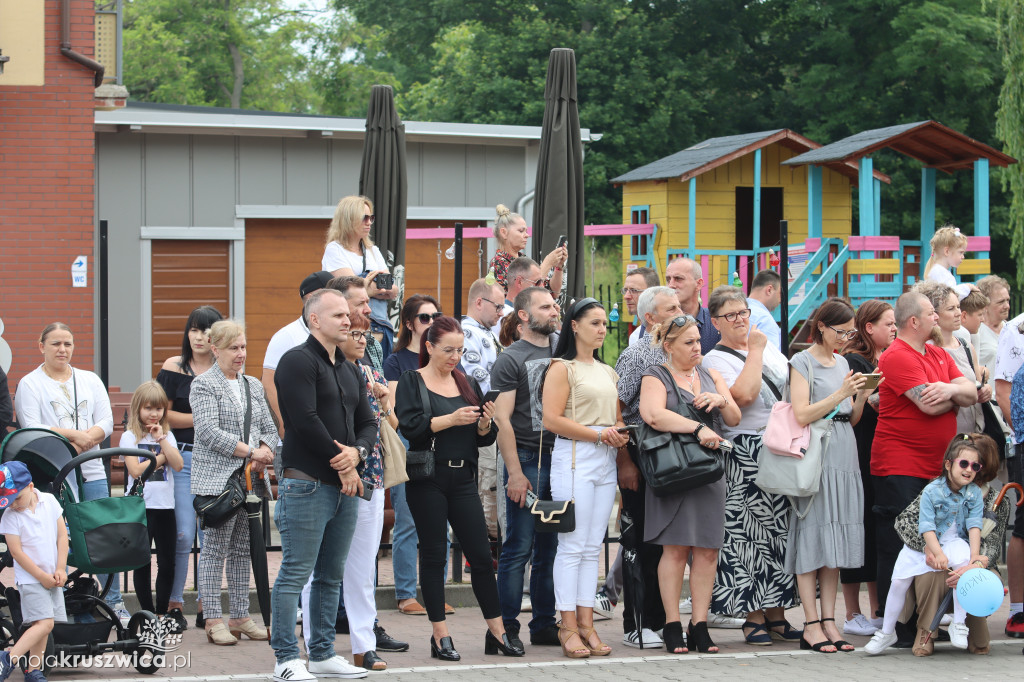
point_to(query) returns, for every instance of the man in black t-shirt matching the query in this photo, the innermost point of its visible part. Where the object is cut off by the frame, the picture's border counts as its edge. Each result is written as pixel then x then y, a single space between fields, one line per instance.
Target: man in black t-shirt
pixel 517 373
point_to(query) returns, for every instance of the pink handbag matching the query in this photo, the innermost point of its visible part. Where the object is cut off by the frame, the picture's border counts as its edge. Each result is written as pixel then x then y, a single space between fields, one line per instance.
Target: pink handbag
pixel 784 435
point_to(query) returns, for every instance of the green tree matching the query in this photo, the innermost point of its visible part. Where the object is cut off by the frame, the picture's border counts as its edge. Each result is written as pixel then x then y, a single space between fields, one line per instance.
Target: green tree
pixel 1010 121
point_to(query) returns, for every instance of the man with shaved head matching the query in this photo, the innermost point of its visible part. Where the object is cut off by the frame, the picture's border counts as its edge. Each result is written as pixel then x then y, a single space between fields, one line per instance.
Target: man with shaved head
pixel 686 277
pixel 916 420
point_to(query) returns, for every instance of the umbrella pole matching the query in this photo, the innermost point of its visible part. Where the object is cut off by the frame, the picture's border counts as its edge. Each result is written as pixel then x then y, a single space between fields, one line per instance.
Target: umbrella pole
pixel 784 283
pixel 457 280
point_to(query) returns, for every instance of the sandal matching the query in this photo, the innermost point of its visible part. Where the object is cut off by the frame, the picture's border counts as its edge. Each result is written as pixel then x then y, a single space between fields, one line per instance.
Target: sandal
pixel 755 639
pixel 600 649
pixel 841 644
pixel 369 660
pixel 817 646
pixel 581 651
pixel 672 635
pixel 788 634
pixel 698 636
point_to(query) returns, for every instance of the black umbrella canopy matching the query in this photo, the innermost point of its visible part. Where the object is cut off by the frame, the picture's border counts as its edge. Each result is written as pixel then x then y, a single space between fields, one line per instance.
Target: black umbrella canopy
pixel 382 176
pixel 558 198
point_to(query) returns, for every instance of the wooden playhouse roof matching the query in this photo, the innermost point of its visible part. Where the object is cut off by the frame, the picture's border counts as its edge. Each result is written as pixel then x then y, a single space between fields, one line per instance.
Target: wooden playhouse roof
pixel 930 142
pixel 717 151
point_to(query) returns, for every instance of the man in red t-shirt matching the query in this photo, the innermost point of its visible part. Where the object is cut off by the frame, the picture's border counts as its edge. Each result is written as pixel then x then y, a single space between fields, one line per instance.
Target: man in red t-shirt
pixel 916 420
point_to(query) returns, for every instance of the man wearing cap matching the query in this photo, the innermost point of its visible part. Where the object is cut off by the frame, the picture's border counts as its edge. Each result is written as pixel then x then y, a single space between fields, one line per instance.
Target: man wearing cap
pixel 38 541
pixel 286 338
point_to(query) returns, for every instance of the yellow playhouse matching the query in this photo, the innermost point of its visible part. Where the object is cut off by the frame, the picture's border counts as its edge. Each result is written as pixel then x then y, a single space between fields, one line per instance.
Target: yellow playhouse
pixel 727 195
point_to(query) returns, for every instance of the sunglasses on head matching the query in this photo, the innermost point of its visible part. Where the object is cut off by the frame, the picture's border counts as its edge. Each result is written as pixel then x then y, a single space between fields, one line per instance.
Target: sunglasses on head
pixel 427 318
pixel 974 466
pixel 680 321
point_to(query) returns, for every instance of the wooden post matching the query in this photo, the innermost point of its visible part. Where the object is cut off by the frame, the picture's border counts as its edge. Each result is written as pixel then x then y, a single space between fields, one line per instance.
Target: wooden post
pixel 814 201
pixel 691 245
pixel 927 215
pixel 757 200
pixel 981 201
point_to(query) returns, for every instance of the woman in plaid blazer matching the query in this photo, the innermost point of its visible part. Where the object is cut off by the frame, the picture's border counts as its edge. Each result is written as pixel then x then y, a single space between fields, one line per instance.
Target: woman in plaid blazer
pixel 219 398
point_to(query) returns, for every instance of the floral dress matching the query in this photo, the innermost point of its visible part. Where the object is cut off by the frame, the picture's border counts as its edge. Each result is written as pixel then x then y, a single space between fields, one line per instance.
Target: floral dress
pixel 372 470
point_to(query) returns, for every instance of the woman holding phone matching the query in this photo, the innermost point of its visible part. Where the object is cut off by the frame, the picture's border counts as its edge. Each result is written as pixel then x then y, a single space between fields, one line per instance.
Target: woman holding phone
pixel 511 233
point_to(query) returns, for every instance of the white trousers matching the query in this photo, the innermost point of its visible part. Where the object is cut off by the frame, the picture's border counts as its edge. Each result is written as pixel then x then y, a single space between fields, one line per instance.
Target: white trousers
pixel 576 560
pixel 360 573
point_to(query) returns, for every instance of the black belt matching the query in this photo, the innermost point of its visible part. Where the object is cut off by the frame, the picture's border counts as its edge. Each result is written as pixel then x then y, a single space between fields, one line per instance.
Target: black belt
pixel 296 473
pixel 841 418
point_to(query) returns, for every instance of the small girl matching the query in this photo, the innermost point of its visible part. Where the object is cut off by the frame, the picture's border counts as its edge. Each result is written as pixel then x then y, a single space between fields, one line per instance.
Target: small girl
pixel 951 517
pixel 948 250
pixel 148 430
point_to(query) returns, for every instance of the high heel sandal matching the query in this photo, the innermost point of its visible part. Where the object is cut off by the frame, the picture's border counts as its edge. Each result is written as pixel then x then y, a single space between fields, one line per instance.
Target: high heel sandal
pixel 841 644
pixel 698 636
pixel 817 646
pixel 788 634
pixel 601 649
pixel 444 650
pixel 492 645
pixel 672 635
pixel 581 651
pixel 369 660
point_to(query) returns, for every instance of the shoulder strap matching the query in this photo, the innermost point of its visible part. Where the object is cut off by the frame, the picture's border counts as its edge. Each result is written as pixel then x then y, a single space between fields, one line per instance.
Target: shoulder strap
pixel 967 349
pixel 425 400
pixel 248 409
pixel 764 377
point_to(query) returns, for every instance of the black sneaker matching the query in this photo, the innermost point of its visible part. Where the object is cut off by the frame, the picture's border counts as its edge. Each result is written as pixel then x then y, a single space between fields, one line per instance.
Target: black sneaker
pixel 545 637
pixel 512 630
pixel 178 617
pixel 386 642
pixel 200 621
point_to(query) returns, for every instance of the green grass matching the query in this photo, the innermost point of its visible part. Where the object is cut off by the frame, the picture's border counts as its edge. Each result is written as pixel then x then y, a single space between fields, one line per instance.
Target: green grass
pixel 607 281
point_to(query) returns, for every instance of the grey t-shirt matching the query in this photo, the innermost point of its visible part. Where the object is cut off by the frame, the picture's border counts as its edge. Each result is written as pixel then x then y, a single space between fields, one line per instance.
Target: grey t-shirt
pixel 519 368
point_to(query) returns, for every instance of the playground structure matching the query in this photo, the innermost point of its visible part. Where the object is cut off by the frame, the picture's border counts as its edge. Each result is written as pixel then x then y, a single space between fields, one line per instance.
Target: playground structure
pixel 825 259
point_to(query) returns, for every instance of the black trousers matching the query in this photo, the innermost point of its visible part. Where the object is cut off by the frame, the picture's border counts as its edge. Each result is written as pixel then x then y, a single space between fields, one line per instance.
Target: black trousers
pixel 647 556
pixel 892 495
pixel 451 497
pixel 163 532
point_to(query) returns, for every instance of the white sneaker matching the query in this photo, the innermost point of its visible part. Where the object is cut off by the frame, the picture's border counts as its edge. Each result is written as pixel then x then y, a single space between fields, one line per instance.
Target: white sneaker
pixel 604 609
pixel 879 643
pixel 527 605
pixel 958 635
pixel 717 620
pixel 859 625
pixel 650 639
pixel 122 614
pixel 946 619
pixel 686 606
pixel 292 671
pixel 877 622
pixel 336 666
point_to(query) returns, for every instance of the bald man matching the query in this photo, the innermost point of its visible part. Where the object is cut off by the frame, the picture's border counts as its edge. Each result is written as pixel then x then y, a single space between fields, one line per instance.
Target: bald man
pixel 686 277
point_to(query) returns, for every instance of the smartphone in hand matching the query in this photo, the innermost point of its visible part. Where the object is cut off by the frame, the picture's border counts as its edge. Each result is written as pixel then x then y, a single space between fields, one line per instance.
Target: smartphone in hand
pixel 367 493
pixel 531 497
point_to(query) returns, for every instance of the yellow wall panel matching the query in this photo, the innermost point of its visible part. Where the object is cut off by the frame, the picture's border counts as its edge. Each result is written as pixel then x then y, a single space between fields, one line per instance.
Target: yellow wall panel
pixel 21 37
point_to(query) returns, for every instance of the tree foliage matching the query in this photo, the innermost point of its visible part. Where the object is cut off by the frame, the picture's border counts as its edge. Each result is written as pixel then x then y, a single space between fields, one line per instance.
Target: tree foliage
pixel 1010 120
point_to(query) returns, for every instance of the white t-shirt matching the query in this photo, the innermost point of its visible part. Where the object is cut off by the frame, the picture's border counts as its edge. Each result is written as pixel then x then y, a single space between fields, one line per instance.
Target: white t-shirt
pixel 286 338
pixel 38 533
pixel 635 335
pixel 336 256
pixel 941 274
pixel 987 343
pixel 159 490
pixel 755 415
pixel 45 403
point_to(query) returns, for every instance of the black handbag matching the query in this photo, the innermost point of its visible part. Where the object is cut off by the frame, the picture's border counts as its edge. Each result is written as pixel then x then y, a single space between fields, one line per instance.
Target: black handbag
pixel 213 511
pixel 672 463
pixel 552 516
pixel 420 464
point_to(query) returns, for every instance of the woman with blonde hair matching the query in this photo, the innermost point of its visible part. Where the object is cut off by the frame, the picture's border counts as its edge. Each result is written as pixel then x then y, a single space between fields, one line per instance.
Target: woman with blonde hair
pixel 511 232
pixel 350 251
pixel 221 399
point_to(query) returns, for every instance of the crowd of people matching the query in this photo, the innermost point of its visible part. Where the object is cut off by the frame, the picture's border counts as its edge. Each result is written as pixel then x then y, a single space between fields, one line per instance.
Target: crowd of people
pixel 513 404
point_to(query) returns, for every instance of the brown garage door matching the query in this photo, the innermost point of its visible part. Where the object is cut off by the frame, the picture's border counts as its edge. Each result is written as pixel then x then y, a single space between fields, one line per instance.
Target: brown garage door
pixel 186 274
pixel 278 256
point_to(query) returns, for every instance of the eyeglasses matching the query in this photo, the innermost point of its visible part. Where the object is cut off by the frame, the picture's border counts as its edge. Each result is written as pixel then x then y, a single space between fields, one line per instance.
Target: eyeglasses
pixel 843 333
pixel 369 218
pixel 427 318
pixel 974 466
pixel 450 350
pixel 631 290
pixel 731 317
pixel 497 307
pixel 358 335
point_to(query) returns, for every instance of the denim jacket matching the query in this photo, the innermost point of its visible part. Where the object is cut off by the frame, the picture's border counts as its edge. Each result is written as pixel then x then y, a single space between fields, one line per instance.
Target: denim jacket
pixel 941 507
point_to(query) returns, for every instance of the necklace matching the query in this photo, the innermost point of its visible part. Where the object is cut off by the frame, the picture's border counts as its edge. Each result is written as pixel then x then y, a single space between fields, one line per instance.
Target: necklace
pixel 60 379
pixel 688 378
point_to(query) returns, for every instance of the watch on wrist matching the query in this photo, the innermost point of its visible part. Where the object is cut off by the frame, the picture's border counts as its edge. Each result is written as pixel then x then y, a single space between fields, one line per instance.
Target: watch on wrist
pixel 362 453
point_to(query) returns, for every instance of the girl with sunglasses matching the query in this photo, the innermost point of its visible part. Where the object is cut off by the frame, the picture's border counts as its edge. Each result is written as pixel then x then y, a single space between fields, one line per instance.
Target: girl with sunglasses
pixel 950 524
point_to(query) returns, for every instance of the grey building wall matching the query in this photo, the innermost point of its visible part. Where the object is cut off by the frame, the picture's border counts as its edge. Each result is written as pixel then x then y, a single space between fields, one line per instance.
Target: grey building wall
pixel 192 183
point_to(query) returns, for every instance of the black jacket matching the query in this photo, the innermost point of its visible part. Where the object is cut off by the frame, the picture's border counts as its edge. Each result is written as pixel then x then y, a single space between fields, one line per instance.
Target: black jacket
pixel 6 407
pixel 320 403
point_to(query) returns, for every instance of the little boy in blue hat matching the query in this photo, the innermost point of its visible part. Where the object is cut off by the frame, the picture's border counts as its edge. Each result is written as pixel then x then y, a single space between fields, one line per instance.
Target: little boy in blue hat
pixel 37 538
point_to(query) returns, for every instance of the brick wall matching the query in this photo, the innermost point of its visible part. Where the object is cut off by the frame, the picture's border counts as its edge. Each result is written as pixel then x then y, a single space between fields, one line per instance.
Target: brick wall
pixel 46 197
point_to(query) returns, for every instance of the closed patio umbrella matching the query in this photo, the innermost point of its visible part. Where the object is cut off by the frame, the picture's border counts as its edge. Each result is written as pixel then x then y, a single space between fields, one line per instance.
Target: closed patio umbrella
pixel 382 175
pixel 257 549
pixel 558 199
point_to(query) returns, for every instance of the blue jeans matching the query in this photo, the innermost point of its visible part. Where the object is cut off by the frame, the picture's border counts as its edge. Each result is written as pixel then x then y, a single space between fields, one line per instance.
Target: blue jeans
pixel 403 546
pixel 185 519
pixel 316 523
pixel 97 490
pixel 520 542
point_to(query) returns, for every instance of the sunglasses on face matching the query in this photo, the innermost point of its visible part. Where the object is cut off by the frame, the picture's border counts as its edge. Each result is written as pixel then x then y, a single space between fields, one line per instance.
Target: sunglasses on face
pixel 369 218
pixel 427 318
pixel 974 466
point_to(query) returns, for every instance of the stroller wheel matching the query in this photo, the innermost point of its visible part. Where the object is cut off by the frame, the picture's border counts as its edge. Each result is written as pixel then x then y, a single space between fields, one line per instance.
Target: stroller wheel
pixel 149 652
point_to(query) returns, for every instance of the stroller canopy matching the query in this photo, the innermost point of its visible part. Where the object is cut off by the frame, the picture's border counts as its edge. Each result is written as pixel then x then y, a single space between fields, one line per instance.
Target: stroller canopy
pixel 43 452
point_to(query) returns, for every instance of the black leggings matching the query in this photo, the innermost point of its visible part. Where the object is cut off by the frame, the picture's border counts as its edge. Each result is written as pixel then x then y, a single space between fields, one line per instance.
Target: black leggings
pixel 892 495
pixel 452 497
pixel 163 531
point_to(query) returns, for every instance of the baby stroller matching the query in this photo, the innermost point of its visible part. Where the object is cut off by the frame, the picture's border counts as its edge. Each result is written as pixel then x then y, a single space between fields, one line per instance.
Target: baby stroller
pixel 105 537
